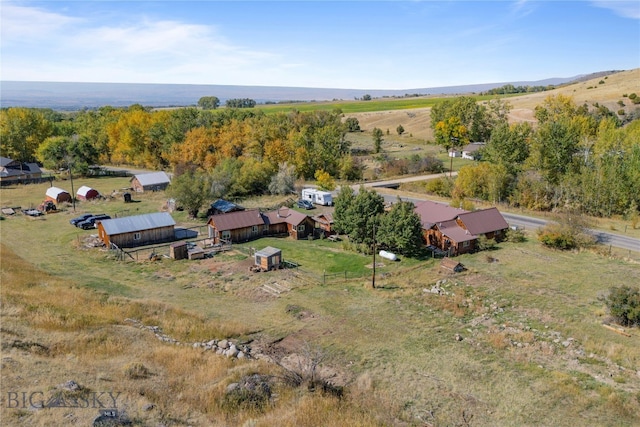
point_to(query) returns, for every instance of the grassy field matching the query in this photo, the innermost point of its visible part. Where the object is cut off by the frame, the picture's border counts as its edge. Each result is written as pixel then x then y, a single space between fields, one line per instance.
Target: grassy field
pixel 516 339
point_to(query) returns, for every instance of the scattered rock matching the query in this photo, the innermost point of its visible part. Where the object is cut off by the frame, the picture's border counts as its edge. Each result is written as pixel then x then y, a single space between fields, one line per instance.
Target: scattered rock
pixel 70 385
pixel 111 418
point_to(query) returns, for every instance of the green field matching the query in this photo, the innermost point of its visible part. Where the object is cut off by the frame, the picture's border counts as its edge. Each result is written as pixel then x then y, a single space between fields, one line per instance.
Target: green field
pixel 516 339
pixel 348 107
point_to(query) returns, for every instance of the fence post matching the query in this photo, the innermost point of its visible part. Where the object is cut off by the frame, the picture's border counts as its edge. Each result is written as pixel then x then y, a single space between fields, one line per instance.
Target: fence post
pixel 345 275
pixel 324 277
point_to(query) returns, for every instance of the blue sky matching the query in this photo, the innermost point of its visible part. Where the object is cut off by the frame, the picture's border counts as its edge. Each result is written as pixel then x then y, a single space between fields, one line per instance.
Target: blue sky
pixel 350 45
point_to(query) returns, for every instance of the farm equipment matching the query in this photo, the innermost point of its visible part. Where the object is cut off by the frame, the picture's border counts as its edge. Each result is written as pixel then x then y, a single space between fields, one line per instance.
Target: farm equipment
pixel 48 207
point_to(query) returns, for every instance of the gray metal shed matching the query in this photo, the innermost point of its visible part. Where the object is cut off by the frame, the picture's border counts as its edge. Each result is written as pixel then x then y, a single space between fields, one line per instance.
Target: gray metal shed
pixel 269 258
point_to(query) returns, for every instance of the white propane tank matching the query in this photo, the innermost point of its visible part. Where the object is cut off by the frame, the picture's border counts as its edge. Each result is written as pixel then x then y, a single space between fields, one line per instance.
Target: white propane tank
pixel 388 255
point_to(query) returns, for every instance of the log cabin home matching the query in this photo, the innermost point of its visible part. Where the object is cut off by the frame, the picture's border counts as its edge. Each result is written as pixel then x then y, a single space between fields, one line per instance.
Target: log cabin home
pixel 456 231
pixel 242 226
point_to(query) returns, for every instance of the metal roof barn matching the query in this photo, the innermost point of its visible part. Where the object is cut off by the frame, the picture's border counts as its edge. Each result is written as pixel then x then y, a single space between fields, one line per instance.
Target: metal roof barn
pixel 154 181
pixel 87 193
pixel 57 195
pixel 137 230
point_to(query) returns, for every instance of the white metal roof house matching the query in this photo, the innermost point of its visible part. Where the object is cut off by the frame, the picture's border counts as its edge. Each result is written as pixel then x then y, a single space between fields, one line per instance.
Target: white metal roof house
pixel 137 230
pixel 153 181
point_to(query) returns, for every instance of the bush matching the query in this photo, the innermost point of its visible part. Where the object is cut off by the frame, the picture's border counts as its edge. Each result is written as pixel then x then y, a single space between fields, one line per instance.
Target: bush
pixel 441 186
pixel 569 233
pixel 515 236
pixel 623 304
pixel 136 371
pixel 251 393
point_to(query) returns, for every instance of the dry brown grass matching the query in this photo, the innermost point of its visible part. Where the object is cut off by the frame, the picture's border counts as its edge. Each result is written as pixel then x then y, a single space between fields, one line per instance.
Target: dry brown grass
pixel 54 331
pixel 417 122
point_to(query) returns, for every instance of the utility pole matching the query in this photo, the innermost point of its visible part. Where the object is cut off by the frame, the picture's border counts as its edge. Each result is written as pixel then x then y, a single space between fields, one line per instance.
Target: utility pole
pixel 373 278
pixel 454 145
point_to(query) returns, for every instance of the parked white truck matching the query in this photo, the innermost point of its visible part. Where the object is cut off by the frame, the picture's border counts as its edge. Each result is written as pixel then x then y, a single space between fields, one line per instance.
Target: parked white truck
pixel 317 197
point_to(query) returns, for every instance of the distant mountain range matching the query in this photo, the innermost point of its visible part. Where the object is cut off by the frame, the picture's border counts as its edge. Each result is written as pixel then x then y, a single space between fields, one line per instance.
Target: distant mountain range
pixel 74 96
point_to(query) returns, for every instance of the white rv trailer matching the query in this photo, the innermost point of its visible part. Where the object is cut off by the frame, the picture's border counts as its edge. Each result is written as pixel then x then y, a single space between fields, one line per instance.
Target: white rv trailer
pixel 318 197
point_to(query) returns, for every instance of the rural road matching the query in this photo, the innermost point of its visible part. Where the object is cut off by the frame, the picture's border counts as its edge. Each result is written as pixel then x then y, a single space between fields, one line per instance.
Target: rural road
pixel 525 222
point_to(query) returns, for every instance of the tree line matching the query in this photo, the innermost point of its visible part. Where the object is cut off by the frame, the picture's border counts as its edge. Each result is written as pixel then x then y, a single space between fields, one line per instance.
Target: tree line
pixel 578 158
pixel 240 149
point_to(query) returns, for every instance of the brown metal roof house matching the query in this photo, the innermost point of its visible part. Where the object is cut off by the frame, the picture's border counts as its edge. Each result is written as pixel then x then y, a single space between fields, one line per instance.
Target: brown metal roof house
pixel 137 230
pixel 284 220
pixel 238 226
pixel 456 231
pixel 324 223
pixel 154 181
pixel 242 226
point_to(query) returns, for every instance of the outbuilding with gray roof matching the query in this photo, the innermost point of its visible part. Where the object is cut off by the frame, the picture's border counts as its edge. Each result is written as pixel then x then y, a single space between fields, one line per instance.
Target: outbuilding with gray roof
pixel 137 230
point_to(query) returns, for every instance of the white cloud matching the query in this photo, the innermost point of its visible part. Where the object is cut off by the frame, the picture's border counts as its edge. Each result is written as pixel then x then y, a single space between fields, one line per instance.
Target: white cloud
pixel 27 24
pixel 162 51
pixel 626 9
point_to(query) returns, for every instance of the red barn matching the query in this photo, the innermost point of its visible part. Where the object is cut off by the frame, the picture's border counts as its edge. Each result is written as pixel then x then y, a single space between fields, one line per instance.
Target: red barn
pixel 87 193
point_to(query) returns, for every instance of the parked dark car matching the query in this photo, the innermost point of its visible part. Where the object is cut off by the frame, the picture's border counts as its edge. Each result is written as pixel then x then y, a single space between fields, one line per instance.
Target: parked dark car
pixel 305 204
pixel 91 221
pixel 75 221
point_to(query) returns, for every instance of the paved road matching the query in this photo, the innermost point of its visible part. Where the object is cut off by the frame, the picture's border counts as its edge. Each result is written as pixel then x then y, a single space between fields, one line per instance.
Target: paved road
pixel 526 222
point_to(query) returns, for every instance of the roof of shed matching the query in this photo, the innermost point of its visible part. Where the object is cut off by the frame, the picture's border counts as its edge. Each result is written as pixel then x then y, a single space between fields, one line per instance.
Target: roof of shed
pixel 237 219
pixel 432 213
pixel 226 206
pixel 152 178
pixel 135 223
pixel 268 251
pixel 54 192
pixel 84 190
pixel 484 221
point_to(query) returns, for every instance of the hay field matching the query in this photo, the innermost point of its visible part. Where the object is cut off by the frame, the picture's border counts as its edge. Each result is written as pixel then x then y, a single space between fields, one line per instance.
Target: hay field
pixel 417 121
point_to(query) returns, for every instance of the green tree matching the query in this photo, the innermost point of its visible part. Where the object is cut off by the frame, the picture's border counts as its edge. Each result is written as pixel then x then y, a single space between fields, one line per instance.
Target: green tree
pixel 553 148
pixel 508 146
pixel 191 190
pixel 475 118
pixel 22 131
pixel 342 209
pixel 400 130
pixel 325 180
pixel 361 215
pixel 351 168
pixel 623 303
pixel 353 125
pixel 452 135
pixel 283 182
pixel 59 152
pixel 400 229
pixel 377 140
pixel 209 102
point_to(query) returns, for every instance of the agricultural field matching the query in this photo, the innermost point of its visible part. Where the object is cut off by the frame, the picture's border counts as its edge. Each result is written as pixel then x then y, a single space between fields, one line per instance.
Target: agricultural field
pixel 518 338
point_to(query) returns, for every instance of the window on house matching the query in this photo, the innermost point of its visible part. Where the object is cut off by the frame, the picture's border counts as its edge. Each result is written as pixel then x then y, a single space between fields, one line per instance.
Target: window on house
pixel 136 236
pixel 465 244
pixel 254 228
pixel 226 235
pixel 301 227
